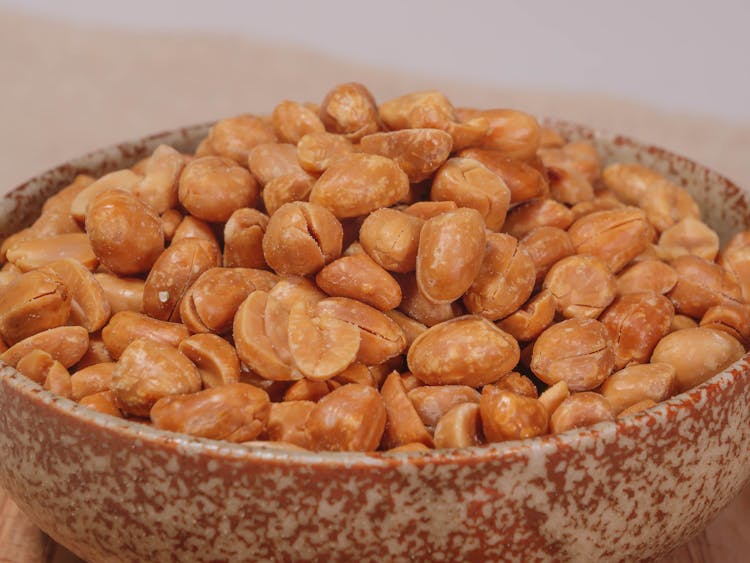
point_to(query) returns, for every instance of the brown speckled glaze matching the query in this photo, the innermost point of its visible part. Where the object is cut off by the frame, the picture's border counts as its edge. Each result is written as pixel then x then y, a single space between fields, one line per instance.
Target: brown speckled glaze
pixel 112 490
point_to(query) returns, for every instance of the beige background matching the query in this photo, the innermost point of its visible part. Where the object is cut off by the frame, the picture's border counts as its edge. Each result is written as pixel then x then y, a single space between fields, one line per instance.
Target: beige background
pixel 67 88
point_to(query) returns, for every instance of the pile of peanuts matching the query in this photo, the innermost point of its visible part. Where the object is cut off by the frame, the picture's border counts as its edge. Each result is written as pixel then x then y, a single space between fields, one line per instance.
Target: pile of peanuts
pixel 355 277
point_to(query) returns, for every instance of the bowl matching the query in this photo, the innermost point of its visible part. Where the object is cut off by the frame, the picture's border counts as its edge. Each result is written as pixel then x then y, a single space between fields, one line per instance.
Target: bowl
pixel 112 490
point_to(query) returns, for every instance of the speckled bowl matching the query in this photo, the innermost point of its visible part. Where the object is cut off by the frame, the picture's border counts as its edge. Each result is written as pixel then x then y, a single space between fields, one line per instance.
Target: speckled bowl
pixel 111 490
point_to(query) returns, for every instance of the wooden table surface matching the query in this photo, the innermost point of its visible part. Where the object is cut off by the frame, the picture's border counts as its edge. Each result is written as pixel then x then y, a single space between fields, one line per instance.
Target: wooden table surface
pixel 725 540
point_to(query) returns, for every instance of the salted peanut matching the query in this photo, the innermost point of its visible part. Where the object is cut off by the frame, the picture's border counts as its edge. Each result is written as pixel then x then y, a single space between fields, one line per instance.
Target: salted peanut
pixel 33 302
pixel 173 273
pixel 666 204
pixel 546 246
pixel 518 384
pixel 640 406
pixel 428 209
pixel 410 382
pixel 580 156
pixel 190 227
pixel 103 402
pixel 308 390
pixel 380 338
pixel 505 280
pixel 403 424
pixel 603 200
pixel 523 180
pixel 638 383
pixel 236 412
pixel 682 321
pixel 122 294
pixel 125 234
pixel 89 306
pixel 275 389
pixel 281 298
pixel 391 238
pixel 636 322
pixel 32 254
pixel 697 354
pixel 700 285
pixel 523 219
pixel 468 350
pixel 158 187
pixel 356 373
pixel 460 427
pixel 204 149
pixel 148 370
pixel 66 344
pixel 418 152
pixel 579 410
pixel 210 303
pixel 292 121
pixel 412 328
pixel 432 402
pixel 56 217
pixel 357 184
pixel 735 258
pixel 271 160
pixel 532 318
pixel 582 285
pixel 321 345
pixel 235 137
pixel 91 379
pixel 549 138
pixel 36 365
pixel 469 183
pixel 416 306
pixel 688 236
pixel 212 188
pixel 96 352
pixel 350 418
pixel 317 151
pixel 409 448
pixel 508 416
pixel 243 239
pixel 124 180
pixel 58 380
pixel 615 236
pixel 630 181
pixel 577 351
pixel 449 258
pixel 349 109
pixel 215 358
pixel 287 422
pixel 21 236
pixel 286 189
pixel 554 395
pixel 301 238
pixel 252 343
pixel 170 220
pixel 126 326
pixel 360 277
pixel 649 275
pixel 569 186
pixel 732 317
pixel 513 133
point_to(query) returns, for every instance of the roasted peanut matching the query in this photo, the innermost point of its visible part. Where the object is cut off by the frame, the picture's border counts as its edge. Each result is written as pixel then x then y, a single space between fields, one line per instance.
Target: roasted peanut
pixel 700 285
pixel 531 319
pixel 415 305
pixel 546 246
pixel 408 449
pixel 578 351
pixel 125 234
pixel 286 189
pixel 292 121
pixel 731 317
pixel 235 137
pixel 615 236
pixel 602 201
pixel 56 217
pixel 301 238
pixel 122 294
pixel 243 239
pixel 190 227
pixel 287 422
pixel 412 329
pixel 36 365
pixel 391 238
pixel 523 180
pixel 508 416
pixel 553 396
pixel 403 424
pixel 637 383
pixel 215 358
pixel 580 156
pixel 451 249
pixel 307 390
pixel 212 188
pixel 351 418
pixel 582 285
pixel 170 220
pixel 272 160
pixel 103 402
pixel 361 278
pixel 360 183
pixel 569 186
pixel 418 152
pixel 124 180
pixel 31 303
pixel 91 379
pixel 636 408
pixel 650 276
pixel 96 352
pixel 688 236
pixel 735 258
pixel 513 133
pixel 349 109
pixel 356 373
pixel 58 380
pixel 37 253
pixel 236 412
pixel 630 181
pixel 579 410
pixel 89 306
pixel 428 209
pixel 432 402
pixel 316 152
pixel 460 427
pixel 158 187
pixel 468 351
pixel 636 322
pixel 148 370
pixel 66 344
pixel 666 204
pixel 505 280
pixel 518 384
pixel 697 354
pixel 682 321
pixel 523 219
pixel 127 326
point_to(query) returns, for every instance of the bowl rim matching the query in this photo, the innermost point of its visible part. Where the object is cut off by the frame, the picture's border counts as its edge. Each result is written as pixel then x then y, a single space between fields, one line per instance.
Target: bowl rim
pixel 578 438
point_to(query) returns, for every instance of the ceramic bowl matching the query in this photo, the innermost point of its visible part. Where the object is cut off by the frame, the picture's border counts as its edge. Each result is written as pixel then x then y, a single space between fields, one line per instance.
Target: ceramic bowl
pixel 111 490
